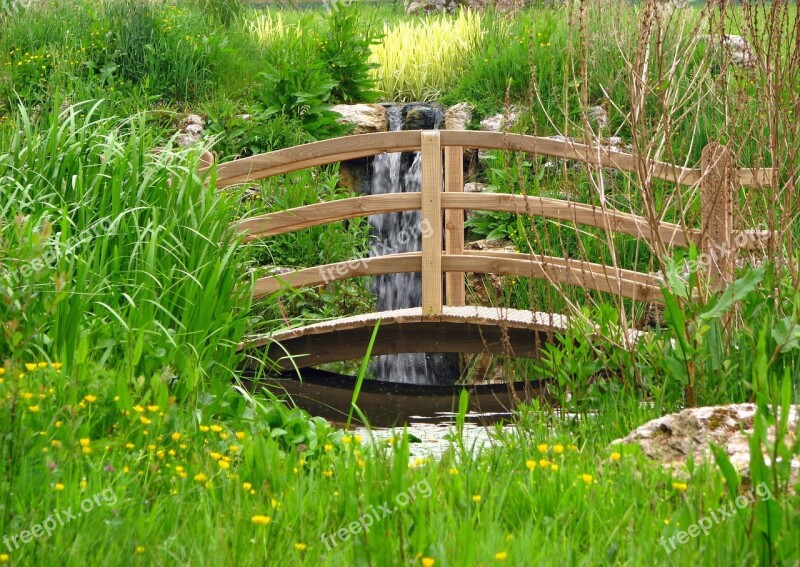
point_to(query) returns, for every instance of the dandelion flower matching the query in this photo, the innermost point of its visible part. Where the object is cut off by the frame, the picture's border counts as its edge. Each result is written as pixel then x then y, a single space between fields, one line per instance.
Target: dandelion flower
pixel 204 428
pixel 453 472
pixel 531 464
pixel 500 555
pixel 300 546
pixel 138 409
pixel 615 457
pixel 428 562
pixel 33 409
pixel 224 465
pixel 558 449
pixel 554 467
pixel 240 435
pixel 680 486
pixel 85 441
pixel 544 463
pixel 587 478
pixel 176 436
pixel 59 486
pixel 4 557
pixel 328 447
pixel 346 439
pixel 200 477
pixel 216 428
pixel 247 486
pixel 30 367
pixel 476 497
pixel 144 420
pixel 261 520
pixel 139 549
pixel 90 398
pixel 542 448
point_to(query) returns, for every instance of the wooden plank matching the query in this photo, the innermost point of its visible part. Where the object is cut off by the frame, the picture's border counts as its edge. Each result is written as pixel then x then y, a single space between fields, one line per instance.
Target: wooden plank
pixel 320 275
pixel 316 153
pixel 497 316
pixel 580 213
pixel 431 223
pixel 599 277
pixel 290 220
pixel 455 289
pixel 623 283
pixel 716 211
pixel 364 145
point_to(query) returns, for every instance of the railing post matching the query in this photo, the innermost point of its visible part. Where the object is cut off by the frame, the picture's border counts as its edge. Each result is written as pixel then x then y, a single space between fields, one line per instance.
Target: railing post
pixel 431 223
pixel 716 211
pixel 454 223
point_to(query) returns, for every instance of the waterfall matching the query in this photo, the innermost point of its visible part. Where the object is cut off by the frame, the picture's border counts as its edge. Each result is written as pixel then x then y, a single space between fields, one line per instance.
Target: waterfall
pixel 396 233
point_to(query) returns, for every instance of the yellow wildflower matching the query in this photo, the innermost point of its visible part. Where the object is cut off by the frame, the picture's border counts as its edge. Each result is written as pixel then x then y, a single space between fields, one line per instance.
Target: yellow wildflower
pixel 261 520
pixel 500 555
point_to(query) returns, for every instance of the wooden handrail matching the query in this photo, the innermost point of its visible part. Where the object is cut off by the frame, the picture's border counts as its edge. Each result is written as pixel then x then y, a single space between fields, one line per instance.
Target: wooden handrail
pixel 588 275
pixel 716 177
pixel 290 220
pixel 365 145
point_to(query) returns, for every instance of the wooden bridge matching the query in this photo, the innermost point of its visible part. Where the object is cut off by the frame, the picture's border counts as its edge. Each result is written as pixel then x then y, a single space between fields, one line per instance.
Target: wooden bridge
pixel 443 323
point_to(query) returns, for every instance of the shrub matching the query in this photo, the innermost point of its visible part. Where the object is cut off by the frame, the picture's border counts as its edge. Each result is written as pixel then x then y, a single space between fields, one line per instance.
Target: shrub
pixel 423 60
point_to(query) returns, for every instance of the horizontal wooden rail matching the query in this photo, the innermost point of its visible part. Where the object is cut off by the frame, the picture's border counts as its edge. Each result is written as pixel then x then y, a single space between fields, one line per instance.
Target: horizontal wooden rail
pixel 579 213
pixel 671 234
pixel 290 220
pixel 624 283
pixel 365 145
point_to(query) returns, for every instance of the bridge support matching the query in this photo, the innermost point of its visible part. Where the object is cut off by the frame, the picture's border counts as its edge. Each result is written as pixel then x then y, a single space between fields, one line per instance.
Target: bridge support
pixel 716 208
pixel 431 221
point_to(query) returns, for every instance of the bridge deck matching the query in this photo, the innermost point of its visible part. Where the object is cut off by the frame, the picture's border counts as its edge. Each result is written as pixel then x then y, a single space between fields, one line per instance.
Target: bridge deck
pixel 467 329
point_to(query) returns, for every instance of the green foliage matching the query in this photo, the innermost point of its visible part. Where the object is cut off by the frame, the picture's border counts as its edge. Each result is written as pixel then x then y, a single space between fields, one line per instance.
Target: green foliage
pixel 346 41
pixel 116 252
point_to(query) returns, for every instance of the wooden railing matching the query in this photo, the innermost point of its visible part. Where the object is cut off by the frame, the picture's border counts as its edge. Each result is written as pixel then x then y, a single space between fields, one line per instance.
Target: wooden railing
pixel 443 151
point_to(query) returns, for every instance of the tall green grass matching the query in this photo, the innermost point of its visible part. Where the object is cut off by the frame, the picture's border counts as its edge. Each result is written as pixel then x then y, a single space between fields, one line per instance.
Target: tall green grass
pixel 117 253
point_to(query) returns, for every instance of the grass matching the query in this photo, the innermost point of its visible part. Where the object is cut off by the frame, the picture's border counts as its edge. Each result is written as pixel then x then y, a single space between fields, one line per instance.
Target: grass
pixel 124 293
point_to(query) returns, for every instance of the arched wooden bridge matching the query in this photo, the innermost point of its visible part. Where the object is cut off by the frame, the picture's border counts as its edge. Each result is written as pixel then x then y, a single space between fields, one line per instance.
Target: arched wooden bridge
pixel 443 323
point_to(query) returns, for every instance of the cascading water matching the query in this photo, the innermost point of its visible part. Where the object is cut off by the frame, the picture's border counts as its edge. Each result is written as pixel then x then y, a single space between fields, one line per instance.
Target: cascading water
pixel 396 233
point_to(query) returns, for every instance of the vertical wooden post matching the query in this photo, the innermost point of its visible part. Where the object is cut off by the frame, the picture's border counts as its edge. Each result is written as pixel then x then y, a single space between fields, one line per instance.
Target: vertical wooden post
pixel 455 291
pixel 716 210
pixel 431 223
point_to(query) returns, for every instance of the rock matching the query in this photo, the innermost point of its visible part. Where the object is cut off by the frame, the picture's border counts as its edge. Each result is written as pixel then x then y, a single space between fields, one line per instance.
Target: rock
pixel 598 116
pixel 499 122
pixel 474 187
pixel 735 47
pixel 185 140
pixel 194 129
pixel 496 245
pixel 458 117
pixel 429 6
pixel 421 116
pixel 671 439
pixel 366 118
pixel 193 120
